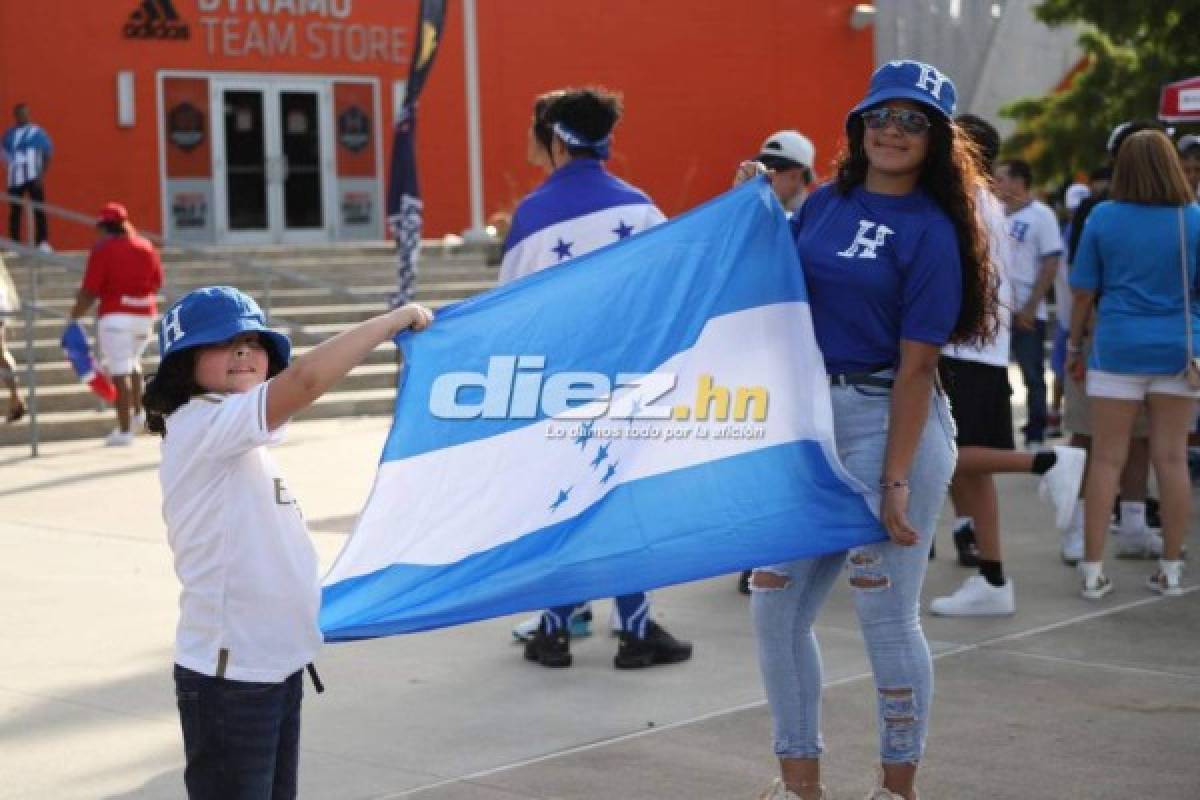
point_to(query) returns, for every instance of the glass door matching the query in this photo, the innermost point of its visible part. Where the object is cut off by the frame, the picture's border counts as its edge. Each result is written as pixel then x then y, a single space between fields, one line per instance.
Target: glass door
pixel 245 169
pixel 273 160
pixel 303 206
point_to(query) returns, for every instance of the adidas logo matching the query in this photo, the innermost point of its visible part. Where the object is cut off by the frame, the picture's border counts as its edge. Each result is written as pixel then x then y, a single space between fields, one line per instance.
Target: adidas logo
pixel 156 19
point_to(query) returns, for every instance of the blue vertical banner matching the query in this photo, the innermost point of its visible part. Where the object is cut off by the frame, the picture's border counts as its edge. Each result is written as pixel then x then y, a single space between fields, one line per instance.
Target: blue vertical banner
pixel 405 210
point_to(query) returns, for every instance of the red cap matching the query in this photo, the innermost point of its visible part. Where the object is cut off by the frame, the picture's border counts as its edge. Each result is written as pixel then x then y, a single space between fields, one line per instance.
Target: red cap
pixel 113 212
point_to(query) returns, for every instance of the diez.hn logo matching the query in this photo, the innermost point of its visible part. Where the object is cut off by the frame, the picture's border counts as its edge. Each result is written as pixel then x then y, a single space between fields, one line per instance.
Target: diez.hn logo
pixel 156 19
pixel 518 387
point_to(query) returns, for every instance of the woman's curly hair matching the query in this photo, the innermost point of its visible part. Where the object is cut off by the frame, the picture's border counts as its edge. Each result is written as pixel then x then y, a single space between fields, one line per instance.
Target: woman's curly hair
pixel 950 176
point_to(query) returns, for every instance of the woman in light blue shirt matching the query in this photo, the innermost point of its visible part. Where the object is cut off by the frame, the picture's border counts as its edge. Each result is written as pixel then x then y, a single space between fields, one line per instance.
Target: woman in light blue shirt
pixel 1129 257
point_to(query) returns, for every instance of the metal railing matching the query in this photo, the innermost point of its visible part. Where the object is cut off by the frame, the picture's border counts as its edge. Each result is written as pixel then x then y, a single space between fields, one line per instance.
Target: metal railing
pixel 35 257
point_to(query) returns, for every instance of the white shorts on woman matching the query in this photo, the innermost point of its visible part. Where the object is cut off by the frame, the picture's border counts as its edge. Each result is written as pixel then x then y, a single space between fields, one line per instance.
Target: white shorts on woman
pixel 1121 386
pixel 121 340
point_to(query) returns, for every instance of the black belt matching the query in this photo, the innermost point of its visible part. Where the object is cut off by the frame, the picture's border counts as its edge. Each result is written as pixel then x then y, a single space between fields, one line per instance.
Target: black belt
pixel 861 379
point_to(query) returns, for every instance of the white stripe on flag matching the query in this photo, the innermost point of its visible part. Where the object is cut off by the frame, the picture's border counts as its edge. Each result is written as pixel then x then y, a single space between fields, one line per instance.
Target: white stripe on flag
pixel 442 506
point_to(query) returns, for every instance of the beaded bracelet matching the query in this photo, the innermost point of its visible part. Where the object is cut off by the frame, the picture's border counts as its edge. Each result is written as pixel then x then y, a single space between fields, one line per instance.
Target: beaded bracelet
pixel 885 485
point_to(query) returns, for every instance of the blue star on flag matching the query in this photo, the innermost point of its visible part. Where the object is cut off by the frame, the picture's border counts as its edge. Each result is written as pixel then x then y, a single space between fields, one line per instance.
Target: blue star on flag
pixel 563 494
pixel 563 249
pixel 622 230
pixel 585 433
pixel 612 470
pixel 601 454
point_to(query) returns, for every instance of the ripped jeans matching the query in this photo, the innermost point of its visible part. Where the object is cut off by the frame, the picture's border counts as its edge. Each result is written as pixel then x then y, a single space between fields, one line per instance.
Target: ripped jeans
pixel 887 579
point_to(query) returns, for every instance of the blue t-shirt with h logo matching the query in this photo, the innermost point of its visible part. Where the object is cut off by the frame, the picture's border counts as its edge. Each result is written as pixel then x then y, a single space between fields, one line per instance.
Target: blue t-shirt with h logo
pixel 879 268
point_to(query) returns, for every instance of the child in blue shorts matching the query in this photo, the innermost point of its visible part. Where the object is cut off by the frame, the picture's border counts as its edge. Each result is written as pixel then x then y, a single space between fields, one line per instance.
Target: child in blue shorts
pixel 225 388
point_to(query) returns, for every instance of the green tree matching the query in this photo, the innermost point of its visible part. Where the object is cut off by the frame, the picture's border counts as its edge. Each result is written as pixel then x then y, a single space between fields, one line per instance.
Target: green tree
pixel 1131 48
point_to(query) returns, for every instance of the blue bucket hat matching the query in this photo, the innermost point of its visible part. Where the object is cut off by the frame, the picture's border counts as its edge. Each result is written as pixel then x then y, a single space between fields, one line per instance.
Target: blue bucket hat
pixel 909 80
pixel 212 315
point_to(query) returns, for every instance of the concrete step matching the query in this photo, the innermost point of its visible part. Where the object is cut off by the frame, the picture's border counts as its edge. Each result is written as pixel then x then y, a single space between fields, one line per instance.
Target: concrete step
pixel 316 328
pixel 74 396
pixel 59 426
pixel 63 298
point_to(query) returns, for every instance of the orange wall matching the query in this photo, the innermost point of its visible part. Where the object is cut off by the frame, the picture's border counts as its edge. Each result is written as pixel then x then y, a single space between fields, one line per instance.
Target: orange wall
pixel 704 83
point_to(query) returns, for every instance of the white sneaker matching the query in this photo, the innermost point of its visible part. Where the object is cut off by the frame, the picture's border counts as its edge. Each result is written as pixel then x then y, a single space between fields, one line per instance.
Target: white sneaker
pixel 119 438
pixel 778 791
pixel 1139 544
pixel 45 247
pixel 1095 583
pixel 1167 579
pixel 883 794
pixel 976 598
pixel 1060 485
pixel 139 422
pixel 578 625
pixel 1072 546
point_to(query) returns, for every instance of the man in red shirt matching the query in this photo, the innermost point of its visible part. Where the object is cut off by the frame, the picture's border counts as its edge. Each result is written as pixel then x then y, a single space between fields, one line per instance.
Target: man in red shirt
pixel 124 273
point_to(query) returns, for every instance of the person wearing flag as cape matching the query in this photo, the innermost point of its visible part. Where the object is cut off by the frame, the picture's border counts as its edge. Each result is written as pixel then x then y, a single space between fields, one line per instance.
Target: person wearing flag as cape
pixel 579 208
pixel 896 265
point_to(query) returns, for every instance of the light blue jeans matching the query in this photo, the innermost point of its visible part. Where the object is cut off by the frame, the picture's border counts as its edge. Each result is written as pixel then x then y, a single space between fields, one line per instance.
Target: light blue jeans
pixel 887 581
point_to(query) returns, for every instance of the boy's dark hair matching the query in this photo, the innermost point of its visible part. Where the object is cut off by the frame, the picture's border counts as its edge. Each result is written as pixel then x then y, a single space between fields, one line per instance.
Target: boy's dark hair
pixel 591 112
pixel 174 385
pixel 1019 169
pixel 985 137
pixel 1100 174
pixel 113 228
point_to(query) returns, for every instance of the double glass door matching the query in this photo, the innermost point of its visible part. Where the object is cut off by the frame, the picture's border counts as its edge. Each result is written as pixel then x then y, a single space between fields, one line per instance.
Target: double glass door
pixel 274 161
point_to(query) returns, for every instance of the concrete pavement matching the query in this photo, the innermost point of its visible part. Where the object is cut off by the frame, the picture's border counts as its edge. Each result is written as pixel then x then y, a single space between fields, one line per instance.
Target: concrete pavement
pixel 1067 699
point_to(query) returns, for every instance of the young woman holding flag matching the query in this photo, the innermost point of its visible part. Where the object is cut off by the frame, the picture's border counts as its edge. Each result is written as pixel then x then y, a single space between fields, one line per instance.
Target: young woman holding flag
pixel 896 266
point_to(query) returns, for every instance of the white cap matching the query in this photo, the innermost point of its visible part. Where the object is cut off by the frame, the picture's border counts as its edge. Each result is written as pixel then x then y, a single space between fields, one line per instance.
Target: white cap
pixel 1076 193
pixel 792 145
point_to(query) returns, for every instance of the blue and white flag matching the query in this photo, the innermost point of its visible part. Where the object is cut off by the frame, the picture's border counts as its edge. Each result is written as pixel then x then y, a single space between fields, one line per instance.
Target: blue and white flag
pixel 654 412
pixel 579 208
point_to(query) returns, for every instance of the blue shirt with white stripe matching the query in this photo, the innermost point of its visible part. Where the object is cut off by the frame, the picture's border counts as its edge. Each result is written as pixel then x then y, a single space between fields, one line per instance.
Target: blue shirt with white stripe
pixel 25 149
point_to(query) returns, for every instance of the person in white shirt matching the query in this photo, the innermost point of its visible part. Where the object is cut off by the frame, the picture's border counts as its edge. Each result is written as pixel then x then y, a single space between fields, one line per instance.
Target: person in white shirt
pixel 1036 247
pixel 789 157
pixel 976 381
pixel 250 593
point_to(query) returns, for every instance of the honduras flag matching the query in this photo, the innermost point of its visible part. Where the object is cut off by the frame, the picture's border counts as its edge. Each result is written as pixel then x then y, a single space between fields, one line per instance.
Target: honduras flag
pixel 654 412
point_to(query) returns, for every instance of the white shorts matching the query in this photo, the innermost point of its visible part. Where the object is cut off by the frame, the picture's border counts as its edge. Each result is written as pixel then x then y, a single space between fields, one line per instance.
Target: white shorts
pixel 121 340
pixel 1119 386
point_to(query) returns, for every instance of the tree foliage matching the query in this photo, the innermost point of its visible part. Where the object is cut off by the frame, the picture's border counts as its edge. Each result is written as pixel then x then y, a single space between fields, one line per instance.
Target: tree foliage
pixel 1131 49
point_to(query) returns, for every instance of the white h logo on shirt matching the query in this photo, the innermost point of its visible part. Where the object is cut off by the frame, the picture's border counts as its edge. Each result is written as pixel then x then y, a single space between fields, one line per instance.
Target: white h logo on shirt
pixel 931 80
pixel 172 329
pixel 864 245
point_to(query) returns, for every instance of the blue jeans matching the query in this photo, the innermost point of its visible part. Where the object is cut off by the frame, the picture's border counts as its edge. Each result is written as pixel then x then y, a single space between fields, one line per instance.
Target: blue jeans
pixel 1029 351
pixel 241 739
pixel 887 581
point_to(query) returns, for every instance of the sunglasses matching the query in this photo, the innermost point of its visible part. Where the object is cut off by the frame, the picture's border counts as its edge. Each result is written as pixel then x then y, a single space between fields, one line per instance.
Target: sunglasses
pixel 911 122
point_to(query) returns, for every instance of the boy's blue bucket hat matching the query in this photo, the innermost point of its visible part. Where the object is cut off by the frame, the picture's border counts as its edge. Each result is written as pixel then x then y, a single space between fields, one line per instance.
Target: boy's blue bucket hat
pixel 213 315
pixel 909 80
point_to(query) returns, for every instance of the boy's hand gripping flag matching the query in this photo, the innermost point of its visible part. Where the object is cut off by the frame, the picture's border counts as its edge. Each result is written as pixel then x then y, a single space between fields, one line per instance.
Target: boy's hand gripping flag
pixel 79 353
pixel 654 412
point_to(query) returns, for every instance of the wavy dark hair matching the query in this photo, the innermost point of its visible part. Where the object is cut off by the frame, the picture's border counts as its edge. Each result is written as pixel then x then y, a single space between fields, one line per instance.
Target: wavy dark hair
pixel 951 176
pixel 175 384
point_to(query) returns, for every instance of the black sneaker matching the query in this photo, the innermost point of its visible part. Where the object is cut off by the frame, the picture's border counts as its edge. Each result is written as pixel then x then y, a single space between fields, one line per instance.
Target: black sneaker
pixel 744 582
pixel 658 647
pixel 549 649
pixel 965 544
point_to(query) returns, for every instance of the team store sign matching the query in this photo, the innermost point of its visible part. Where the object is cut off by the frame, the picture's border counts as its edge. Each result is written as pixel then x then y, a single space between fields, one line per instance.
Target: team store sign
pixel 317 29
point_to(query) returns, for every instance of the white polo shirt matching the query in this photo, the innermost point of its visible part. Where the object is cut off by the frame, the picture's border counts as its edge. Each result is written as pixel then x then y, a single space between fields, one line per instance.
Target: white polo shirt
pixel 251 592
pixel 1034 234
pixel 991 212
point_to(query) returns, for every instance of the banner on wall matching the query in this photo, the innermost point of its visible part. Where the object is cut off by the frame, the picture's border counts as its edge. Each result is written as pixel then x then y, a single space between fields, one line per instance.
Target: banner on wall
pixel 405 211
